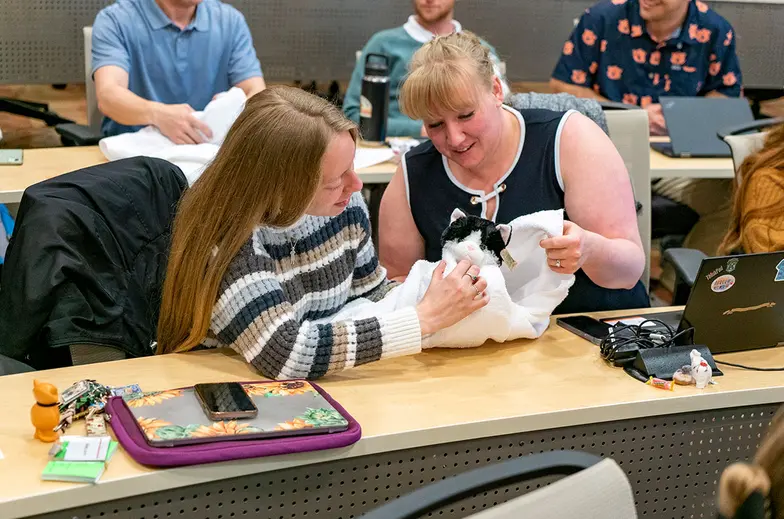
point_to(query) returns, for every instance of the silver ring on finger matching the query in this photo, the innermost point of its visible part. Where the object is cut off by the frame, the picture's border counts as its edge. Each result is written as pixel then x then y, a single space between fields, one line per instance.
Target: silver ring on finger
pixel 477 290
pixel 557 263
pixel 473 278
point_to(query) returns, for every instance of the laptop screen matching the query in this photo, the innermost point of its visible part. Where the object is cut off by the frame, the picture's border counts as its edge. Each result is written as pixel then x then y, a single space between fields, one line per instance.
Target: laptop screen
pixel 693 123
pixel 737 302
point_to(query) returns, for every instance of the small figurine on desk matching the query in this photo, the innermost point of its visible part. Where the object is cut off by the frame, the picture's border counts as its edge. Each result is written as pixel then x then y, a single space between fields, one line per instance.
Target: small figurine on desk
pixel 701 372
pixel 45 413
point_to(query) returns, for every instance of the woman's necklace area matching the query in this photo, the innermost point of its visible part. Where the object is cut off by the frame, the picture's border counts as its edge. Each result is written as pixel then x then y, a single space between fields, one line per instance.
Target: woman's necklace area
pixel 488 194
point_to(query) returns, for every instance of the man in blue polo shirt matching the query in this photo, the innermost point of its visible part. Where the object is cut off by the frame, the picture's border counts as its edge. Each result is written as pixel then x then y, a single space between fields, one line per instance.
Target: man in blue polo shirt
pixel 634 51
pixel 155 62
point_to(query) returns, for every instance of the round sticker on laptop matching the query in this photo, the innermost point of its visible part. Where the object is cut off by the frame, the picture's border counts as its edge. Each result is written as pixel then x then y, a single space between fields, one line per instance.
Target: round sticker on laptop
pixel 723 283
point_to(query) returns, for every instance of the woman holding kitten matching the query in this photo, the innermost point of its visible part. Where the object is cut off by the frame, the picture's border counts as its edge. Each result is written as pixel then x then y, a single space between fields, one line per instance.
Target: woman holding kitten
pixel 492 161
pixel 275 235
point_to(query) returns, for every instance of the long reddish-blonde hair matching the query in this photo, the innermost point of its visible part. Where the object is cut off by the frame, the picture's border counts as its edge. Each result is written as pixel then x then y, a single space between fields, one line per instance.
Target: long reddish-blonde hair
pixel 266 172
pixel 770 156
pixel 764 474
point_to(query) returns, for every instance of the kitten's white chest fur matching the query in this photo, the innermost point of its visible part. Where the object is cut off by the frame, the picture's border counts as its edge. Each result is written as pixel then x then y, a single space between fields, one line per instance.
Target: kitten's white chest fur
pixel 469 248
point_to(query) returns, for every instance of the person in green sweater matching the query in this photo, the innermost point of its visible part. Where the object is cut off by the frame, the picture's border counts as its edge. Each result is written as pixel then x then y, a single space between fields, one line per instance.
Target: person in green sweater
pixel 432 18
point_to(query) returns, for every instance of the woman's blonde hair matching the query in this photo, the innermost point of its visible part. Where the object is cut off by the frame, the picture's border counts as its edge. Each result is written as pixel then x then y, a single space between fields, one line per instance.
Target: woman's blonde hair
pixel 446 74
pixel 765 474
pixel 770 156
pixel 266 173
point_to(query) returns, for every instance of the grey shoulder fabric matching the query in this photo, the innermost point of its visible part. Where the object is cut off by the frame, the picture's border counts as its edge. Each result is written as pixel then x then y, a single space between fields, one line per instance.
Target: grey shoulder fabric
pixel 560 103
pixel 86 261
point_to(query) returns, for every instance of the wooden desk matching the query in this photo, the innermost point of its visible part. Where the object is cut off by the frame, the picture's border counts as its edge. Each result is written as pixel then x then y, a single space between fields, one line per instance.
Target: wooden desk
pixel 663 166
pixel 423 417
pixel 44 163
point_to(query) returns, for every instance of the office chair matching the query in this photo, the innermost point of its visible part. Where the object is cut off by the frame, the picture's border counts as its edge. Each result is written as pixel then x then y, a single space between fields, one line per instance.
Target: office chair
pixel 627 127
pixel 629 132
pixel 32 110
pixel 742 143
pixel 82 278
pixel 593 489
pixel 72 134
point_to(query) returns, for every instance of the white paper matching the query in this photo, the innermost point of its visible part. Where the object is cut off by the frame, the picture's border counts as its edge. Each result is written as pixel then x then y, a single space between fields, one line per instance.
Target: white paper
pixel 367 157
pixel 87 448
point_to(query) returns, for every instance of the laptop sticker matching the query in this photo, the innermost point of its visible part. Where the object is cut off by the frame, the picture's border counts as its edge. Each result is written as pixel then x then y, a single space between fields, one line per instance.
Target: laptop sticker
pixel 731 311
pixel 723 283
pixel 712 274
pixel 731 264
pixel 779 271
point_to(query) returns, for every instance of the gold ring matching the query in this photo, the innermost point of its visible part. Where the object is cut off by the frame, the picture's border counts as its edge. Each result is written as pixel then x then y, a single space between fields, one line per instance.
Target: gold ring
pixel 473 278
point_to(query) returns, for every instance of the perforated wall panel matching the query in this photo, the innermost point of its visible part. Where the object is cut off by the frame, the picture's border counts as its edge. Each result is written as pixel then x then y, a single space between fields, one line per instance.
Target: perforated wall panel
pixel 673 464
pixel 41 40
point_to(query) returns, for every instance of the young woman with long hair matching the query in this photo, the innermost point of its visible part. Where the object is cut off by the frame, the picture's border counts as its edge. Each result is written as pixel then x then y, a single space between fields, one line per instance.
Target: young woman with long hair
pixel 757 220
pixel 755 490
pixel 275 235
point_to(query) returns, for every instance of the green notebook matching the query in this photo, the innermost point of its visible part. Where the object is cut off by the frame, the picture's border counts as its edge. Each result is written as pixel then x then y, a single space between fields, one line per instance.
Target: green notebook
pixel 76 471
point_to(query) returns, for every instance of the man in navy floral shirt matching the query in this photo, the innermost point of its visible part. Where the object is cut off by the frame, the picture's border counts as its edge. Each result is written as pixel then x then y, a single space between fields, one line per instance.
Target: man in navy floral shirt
pixel 634 51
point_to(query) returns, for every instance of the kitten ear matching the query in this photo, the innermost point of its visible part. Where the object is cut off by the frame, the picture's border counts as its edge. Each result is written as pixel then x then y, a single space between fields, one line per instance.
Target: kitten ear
pixel 456 215
pixel 506 232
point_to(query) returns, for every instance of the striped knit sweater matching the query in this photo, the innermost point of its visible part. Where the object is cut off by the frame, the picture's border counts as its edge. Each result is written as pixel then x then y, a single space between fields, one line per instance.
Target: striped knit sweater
pixel 284 279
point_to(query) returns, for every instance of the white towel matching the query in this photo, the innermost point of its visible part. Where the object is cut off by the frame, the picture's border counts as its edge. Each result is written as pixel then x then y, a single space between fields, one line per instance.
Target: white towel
pixel 219 115
pixel 521 299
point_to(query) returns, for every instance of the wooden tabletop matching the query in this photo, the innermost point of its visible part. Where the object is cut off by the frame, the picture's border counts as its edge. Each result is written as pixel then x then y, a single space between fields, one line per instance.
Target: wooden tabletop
pixel 663 166
pixel 44 163
pixel 435 397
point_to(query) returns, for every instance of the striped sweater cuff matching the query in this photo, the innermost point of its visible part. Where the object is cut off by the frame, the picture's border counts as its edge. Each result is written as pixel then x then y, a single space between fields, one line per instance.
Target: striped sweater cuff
pixel 401 333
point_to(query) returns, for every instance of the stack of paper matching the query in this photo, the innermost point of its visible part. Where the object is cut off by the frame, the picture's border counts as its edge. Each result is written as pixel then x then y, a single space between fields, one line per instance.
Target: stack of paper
pixel 80 459
pixel 366 157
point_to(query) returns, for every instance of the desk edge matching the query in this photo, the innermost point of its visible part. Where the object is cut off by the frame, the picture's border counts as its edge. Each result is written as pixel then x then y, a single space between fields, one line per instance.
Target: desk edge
pixel 149 482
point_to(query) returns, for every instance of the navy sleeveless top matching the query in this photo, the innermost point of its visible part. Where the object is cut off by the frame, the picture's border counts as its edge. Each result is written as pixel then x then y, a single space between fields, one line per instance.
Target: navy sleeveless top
pixel 532 184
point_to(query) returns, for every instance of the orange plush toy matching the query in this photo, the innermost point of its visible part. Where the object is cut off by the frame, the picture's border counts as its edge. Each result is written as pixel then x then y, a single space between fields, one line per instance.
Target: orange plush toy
pixel 45 414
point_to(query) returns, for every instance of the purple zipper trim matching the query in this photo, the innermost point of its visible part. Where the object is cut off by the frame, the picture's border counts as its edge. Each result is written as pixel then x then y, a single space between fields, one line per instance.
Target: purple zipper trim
pixel 127 431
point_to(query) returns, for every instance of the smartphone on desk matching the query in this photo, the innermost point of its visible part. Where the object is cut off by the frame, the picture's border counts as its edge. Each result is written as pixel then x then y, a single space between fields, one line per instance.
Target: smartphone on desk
pixel 225 401
pixel 586 327
pixel 11 157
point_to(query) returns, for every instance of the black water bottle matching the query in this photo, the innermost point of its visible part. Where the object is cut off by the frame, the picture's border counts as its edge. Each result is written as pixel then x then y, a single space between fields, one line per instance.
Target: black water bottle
pixel 374 101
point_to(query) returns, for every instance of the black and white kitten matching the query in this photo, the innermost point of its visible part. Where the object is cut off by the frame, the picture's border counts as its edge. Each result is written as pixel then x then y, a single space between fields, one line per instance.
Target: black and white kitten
pixel 476 239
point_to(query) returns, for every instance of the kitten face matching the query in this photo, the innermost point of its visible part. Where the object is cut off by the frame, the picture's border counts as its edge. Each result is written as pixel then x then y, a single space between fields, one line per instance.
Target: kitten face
pixel 474 238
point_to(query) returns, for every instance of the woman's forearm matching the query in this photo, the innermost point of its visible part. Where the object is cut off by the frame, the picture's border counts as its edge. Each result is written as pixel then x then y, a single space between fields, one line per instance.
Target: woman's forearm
pixel 613 262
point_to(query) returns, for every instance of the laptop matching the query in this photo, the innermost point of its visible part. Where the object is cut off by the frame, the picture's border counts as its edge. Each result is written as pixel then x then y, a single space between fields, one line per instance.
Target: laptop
pixel 736 304
pixel 693 123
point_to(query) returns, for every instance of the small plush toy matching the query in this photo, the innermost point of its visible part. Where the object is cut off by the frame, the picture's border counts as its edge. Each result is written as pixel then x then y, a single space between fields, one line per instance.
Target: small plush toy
pixel 45 414
pixel 476 239
pixel 700 370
